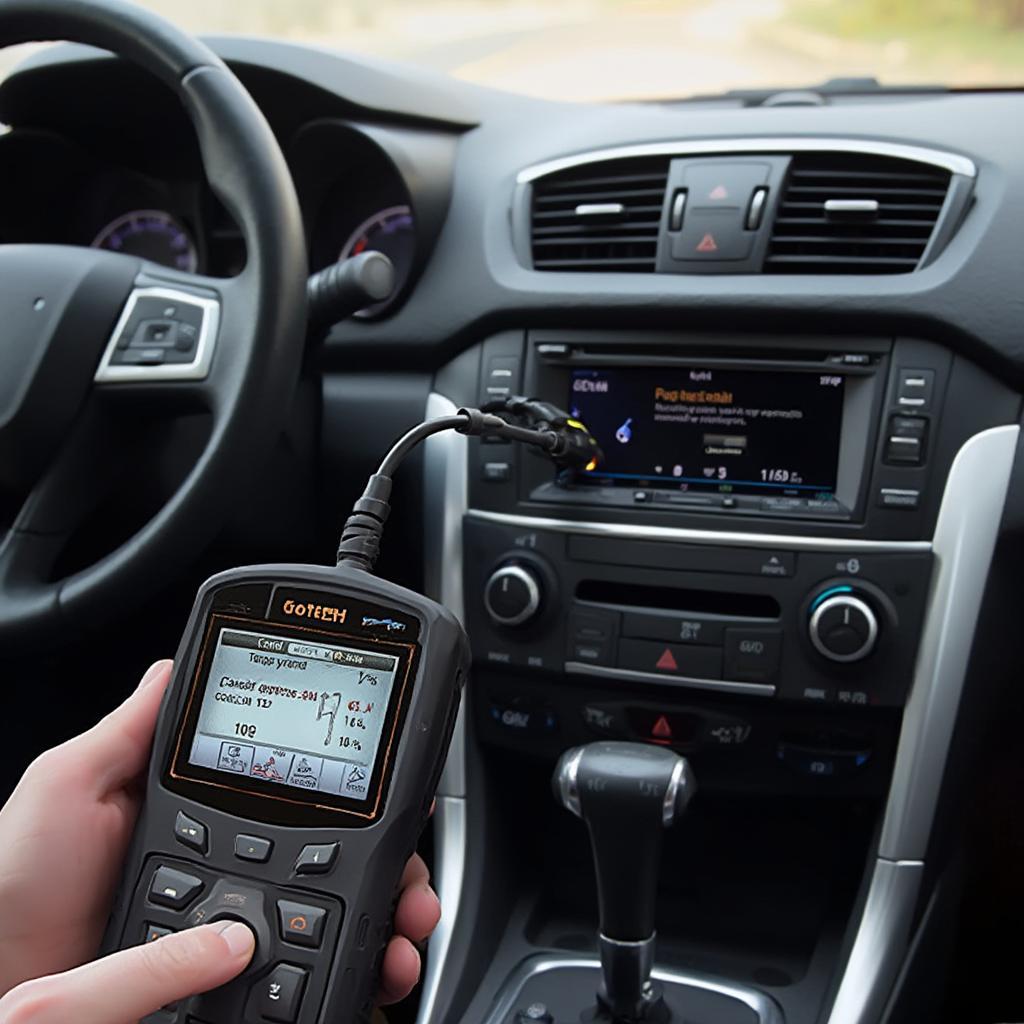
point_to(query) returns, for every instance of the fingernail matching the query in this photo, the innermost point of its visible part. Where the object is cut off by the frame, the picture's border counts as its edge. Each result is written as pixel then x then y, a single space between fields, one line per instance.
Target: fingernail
pixel 238 938
pixel 153 672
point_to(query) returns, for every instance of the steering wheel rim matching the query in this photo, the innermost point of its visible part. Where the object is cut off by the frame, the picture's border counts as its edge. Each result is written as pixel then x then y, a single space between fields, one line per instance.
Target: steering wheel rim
pixel 253 357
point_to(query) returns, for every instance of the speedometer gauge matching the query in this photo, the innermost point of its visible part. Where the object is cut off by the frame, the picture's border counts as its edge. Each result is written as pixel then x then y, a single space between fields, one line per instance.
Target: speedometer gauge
pixel 151 235
pixel 391 232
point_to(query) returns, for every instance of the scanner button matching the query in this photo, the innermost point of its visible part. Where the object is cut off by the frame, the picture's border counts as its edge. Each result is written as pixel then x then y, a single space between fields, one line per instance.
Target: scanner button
pixel 316 859
pixel 280 993
pixel 152 932
pixel 253 848
pixel 175 889
pixel 190 832
pixel 300 923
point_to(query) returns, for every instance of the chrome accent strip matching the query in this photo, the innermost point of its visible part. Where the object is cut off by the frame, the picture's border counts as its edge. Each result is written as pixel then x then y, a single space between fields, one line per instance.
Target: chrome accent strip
pixel 877 954
pixel 783 144
pixel 112 373
pixel 686 535
pixel 600 210
pixel 568 781
pixel 448 881
pixel 764 1006
pixel 852 206
pixel 445 458
pixel 756 211
pixel 964 541
pixel 605 672
pixel 965 538
pixel 668 805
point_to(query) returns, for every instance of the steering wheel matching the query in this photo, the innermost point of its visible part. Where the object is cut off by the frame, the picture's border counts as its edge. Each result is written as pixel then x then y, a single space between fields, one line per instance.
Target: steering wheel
pixel 85 333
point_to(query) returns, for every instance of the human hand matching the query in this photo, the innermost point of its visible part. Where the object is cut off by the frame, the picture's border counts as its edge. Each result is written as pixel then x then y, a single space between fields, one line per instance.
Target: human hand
pixel 63 836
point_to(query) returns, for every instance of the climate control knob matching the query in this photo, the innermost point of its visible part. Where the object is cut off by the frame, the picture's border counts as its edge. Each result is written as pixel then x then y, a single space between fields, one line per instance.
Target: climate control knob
pixel 843 627
pixel 512 595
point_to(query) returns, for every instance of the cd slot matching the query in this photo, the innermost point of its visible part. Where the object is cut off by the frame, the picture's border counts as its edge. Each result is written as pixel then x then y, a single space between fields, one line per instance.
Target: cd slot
pixel 625 596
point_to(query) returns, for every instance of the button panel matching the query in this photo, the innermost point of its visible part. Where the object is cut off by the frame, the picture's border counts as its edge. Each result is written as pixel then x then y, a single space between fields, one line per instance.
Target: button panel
pixel 296 933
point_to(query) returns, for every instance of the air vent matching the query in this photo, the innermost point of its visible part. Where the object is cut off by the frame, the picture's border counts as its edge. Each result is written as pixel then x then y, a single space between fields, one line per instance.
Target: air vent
pixel 599 217
pixel 852 214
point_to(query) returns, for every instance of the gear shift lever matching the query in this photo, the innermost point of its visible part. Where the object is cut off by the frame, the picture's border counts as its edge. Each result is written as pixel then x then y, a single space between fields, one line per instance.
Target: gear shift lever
pixel 627 793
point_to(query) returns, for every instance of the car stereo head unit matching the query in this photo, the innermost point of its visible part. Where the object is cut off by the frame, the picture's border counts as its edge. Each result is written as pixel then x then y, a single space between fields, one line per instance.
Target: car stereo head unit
pixel 704 429
pixel 717 427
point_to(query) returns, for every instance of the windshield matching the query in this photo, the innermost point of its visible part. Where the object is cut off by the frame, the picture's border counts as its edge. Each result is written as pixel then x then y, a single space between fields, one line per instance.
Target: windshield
pixel 648 49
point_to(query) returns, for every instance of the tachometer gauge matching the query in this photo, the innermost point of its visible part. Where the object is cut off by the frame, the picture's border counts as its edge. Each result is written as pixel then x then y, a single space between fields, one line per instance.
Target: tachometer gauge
pixel 391 232
pixel 151 235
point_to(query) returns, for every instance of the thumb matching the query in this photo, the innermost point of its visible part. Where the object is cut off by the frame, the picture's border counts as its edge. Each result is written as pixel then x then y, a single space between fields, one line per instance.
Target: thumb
pixel 133 983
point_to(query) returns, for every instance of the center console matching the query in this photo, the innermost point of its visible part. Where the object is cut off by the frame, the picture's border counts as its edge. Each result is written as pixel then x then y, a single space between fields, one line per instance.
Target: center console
pixel 756 575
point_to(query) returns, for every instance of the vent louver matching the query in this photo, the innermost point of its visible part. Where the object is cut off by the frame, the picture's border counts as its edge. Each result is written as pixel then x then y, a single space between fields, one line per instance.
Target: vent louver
pixel 599 217
pixel 852 214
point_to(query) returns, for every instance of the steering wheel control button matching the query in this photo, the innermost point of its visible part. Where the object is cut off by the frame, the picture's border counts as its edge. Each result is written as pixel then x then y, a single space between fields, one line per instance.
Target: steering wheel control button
pixel 717 186
pixel 512 595
pixel 254 848
pixel 190 833
pixel 162 334
pixel 280 993
pixel 752 655
pixel 301 924
pixel 317 859
pixel 172 888
pixel 671 659
pixel 843 627
pixel 152 932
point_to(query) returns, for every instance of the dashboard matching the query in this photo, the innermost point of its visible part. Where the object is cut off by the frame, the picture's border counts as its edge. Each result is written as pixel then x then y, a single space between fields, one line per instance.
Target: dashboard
pixel 795 332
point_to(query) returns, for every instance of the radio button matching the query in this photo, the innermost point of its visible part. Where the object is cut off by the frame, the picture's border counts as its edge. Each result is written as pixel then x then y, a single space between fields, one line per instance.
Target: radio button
pixel 174 889
pixel 680 629
pixel 317 859
pixel 190 833
pixel 671 659
pixel 752 655
pixel 280 993
pixel 301 924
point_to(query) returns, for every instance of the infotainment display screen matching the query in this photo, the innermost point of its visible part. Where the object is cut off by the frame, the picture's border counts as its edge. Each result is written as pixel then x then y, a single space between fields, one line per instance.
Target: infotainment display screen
pixel 729 431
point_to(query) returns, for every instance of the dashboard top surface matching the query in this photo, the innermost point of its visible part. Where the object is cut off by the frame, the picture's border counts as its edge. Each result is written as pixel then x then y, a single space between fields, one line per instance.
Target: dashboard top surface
pixel 466 146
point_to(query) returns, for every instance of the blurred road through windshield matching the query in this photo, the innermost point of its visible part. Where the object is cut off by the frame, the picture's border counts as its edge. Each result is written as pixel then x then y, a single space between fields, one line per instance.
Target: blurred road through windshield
pixel 586 50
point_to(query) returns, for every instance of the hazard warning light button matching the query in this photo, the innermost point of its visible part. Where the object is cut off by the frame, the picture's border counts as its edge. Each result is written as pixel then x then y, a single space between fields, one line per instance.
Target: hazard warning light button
pixel 713 184
pixel 712 236
pixel 681 660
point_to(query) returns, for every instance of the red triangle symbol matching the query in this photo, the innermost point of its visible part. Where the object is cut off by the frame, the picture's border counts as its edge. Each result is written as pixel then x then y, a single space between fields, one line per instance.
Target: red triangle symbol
pixel 708 244
pixel 667 662
pixel 662 730
pixel 719 192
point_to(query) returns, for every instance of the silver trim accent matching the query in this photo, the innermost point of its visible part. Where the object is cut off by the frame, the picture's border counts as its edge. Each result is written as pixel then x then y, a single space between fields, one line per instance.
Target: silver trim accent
pixel 581 668
pixel 877 954
pixel 112 373
pixel 568 781
pixel 685 535
pixel 628 966
pixel 445 457
pixel 965 538
pixel 756 211
pixel 852 602
pixel 449 879
pixel 668 806
pixel 675 218
pixel 600 209
pixel 764 1006
pixel 964 541
pixel 783 144
pixel 444 466
pixel 852 206
pixel 532 595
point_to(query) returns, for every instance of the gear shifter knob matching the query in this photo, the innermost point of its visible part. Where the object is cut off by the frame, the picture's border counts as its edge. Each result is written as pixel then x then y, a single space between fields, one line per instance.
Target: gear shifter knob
pixel 628 794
